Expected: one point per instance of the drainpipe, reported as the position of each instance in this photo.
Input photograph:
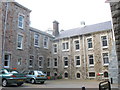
(4, 31)
(84, 50)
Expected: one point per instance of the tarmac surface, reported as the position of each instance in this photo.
(64, 84)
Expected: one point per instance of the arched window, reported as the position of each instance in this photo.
(105, 74)
(78, 75)
(66, 75)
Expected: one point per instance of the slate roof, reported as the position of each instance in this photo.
(85, 30)
(41, 32)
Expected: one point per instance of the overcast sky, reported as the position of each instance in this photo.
(69, 13)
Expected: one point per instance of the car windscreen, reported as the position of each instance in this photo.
(40, 72)
(13, 71)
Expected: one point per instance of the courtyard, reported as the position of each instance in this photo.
(63, 83)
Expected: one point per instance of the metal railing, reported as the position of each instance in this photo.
(105, 85)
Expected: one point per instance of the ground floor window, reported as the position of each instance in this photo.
(55, 74)
(66, 75)
(31, 61)
(19, 61)
(91, 74)
(78, 75)
(48, 73)
(7, 60)
(106, 74)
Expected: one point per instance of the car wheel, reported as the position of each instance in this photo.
(42, 82)
(19, 84)
(32, 81)
(4, 83)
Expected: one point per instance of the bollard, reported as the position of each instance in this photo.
(111, 80)
(83, 88)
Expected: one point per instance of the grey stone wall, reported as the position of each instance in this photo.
(40, 51)
(115, 10)
(83, 52)
(0, 35)
(12, 31)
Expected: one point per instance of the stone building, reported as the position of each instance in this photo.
(24, 47)
(79, 53)
(15, 20)
(40, 50)
(115, 11)
(83, 52)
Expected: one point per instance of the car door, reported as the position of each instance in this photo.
(30, 75)
(0, 77)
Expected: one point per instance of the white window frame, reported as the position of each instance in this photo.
(87, 42)
(64, 62)
(38, 40)
(49, 62)
(23, 21)
(66, 49)
(76, 60)
(64, 75)
(89, 60)
(54, 48)
(75, 45)
(42, 62)
(54, 63)
(90, 72)
(108, 58)
(19, 34)
(7, 60)
(102, 41)
(19, 64)
(103, 74)
(76, 75)
(47, 43)
(32, 61)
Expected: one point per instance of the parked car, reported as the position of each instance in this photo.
(35, 76)
(11, 76)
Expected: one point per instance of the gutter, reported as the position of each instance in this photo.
(4, 31)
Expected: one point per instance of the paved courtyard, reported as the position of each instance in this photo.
(64, 84)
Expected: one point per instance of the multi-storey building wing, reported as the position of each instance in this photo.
(15, 21)
(40, 50)
(84, 52)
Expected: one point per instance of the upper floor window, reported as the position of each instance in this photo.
(55, 62)
(65, 61)
(21, 21)
(89, 41)
(36, 39)
(65, 45)
(91, 60)
(20, 42)
(55, 48)
(77, 46)
(77, 60)
(31, 61)
(104, 41)
(45, 42)
(105, 58)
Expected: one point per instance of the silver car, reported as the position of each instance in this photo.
(36, 76)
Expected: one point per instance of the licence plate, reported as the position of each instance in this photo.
(42, 75)
(20, 80)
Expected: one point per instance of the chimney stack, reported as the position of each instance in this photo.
(55, 28)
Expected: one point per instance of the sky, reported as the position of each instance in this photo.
(69, 13)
